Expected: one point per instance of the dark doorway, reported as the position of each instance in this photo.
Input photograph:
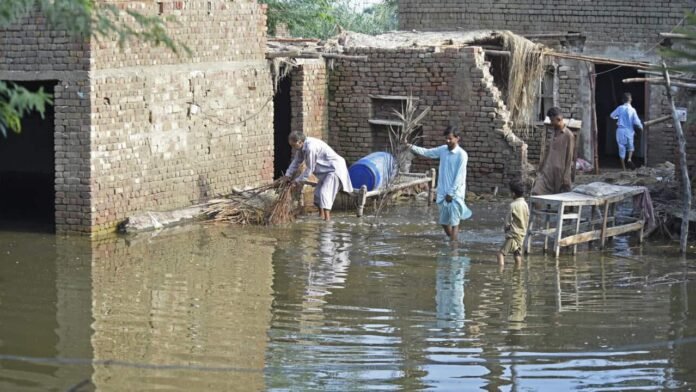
(282, 116)
(27, 170)
(608, 93)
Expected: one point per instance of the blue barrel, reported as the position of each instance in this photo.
(373, 171)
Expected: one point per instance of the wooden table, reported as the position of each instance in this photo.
(555, 209)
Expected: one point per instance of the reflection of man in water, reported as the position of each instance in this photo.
(449, 290)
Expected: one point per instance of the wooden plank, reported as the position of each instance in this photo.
(618, 230)
(581, 238)
(603, 235)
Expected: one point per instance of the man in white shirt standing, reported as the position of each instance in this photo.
(627, 118)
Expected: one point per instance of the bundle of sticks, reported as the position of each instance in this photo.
(256, 206)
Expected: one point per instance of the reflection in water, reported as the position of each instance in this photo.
(449, 286)
(315, 306)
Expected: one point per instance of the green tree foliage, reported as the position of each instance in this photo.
(15, 102)
(321, 18)
(683, 53)
(81, 19)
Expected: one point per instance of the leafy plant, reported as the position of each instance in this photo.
(15, 102)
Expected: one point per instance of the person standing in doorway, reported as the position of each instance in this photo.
(451, 181)
(627, 118)
(555, 174)
(322, 161)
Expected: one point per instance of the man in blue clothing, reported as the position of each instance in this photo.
(627, 118)
(451, 181)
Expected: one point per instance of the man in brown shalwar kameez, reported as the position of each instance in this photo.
(555, 174)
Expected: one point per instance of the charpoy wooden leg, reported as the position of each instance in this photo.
(362, 199)
(431, 186)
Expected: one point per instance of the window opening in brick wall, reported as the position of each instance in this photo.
(282, 116)
(160, 8)
(383, 116)
(27, 170)
(608, 92)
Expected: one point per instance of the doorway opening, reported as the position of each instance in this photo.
(27, 169)
(282, 116)
(608, 93)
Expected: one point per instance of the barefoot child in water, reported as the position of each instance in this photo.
(515, 224)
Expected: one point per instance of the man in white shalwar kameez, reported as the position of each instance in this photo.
(322, 161)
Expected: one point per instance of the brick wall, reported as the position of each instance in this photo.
(146, 128)
(454, 81)
(309, 99)
(628, 24)
(31, 51)
(662, 142)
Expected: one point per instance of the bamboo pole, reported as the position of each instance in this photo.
(657, 120)
(594, 126)
(686, 182)
(659, 81)
(671, 77)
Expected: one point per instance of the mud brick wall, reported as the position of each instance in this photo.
(33, 50)
(455, 82)
(169, 137)
(629, 24)
(309, 99)
(168, 131)
(32, 45)
(662, 141)
(213, 30)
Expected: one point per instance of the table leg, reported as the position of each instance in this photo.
(547, 225)
(604, 225)
(559, 230)
(528, 238)
(577, 228)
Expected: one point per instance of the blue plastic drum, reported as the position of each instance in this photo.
(373, 171)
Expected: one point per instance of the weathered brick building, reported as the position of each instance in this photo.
(454, 80)
(618, 29)
(141, 128)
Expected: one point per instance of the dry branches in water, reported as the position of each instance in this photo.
(281, 211)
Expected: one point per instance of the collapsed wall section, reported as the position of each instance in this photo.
(454, 81)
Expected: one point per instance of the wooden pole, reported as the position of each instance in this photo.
(595, 127)
(657, 120)
(686, 182)
(671, 77)
(659, 81)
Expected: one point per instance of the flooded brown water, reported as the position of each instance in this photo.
(340, 306)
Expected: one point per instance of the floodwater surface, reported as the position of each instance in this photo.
(341, 306)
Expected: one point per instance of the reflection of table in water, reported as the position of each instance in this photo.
(555, 209)
(404, 181)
